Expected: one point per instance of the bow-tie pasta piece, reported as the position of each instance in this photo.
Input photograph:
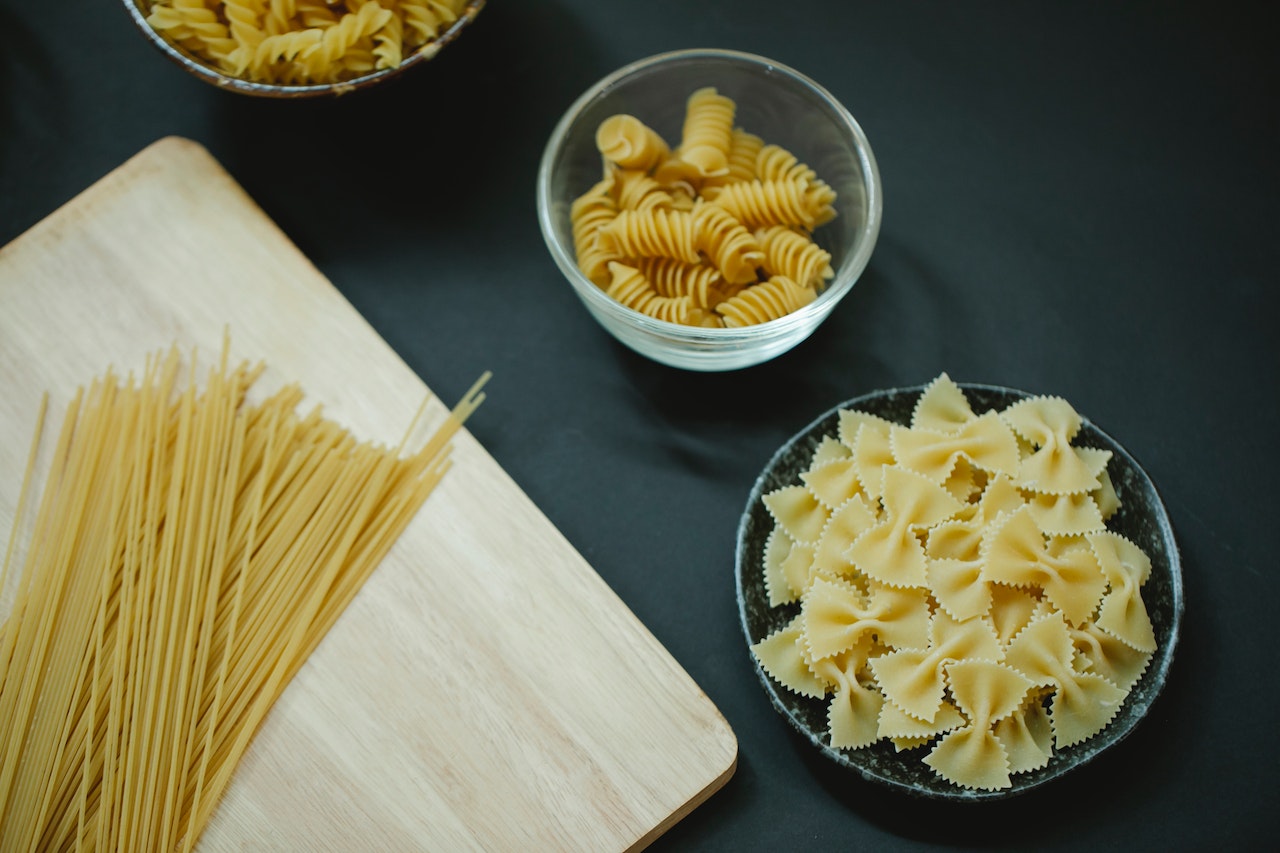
(1066, 515)
(1055, 467)
(910, 732)
(798, 512)
(849, 521)
(833, 483)
(1027, 735)
(912, 679)
(1113, 659)
(986, 442)
(890, 552)
(837, 615)
(782, 655)
(1123, 613)
(941, 407)
(829, 450)
(1083, 702)
(854, 710)
(1017, 554)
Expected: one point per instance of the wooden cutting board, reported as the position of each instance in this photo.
(486, 689)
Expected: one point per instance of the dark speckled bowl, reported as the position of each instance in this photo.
(1141, 518)
(139, 9)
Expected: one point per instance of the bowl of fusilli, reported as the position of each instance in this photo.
(710, 208)
(300, 48)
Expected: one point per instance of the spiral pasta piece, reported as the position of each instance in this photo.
(730, 246)
(587, 215)
(708, 131)
(744, 149)
(758, 204)
(792, 254)
(763, 302)
(651, 233)
(630, 143)
(702, 283)
(633, 290)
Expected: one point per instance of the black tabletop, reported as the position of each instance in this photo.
(1080, 199)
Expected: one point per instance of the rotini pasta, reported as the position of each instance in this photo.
(633, 290)
(651, 233)
(790, 253)
(701, 220)
(708, 131)
(298, 42)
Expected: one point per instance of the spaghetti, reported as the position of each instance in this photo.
(188, 553)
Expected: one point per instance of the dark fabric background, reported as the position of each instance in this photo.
(1080, 199)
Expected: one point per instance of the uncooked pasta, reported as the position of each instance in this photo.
(726, 220)
(189, 551)
(301, 42)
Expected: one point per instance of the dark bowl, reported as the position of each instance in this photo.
(138, 10)
(1141, 518)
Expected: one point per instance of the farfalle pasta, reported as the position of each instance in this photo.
(300, 42)
(958, 591)
(720, 199)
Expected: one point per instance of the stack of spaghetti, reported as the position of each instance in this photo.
(187, 554)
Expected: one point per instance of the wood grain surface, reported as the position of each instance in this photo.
(486, 690)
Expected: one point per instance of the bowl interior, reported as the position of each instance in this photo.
(1141, 518)
(776, 103)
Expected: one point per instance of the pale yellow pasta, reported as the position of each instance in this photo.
(630, 143)
(587, 215)
(1016, 554)
(708, 131)
(986, 442)
(833, 483)
(985, 692)
(913, 679)
(793, 254)
(847, 522)
(1056, 466)
(782, 654)
(651, 233)
(694, 178)
(837, 615)
(300, 42)
(853, 714)
(729, 246)
(798, 512)
(632, 289)
(765, 301)
(941, 406)
(890, 552)
(996, 621)
(1083, 702)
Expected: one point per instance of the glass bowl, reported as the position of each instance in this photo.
(196, 66)
(776, 103)
(1141, 518)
